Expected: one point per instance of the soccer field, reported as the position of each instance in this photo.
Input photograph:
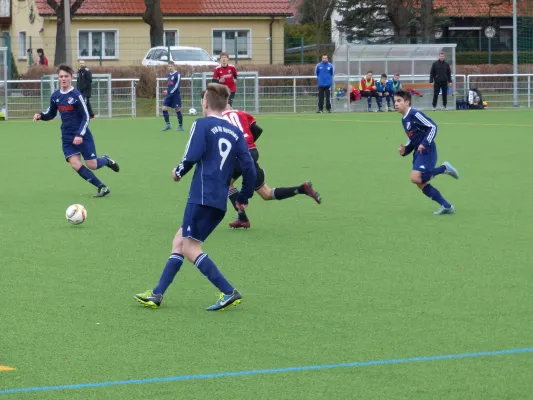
(366, 296)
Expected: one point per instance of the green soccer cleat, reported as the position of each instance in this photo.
(149, 299)
(225, 301)
(445, 211)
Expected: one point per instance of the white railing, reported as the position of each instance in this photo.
(499, 90)
(117, 98)
(293, 94)
(273, 94)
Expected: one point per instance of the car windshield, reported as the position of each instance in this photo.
(190, 55)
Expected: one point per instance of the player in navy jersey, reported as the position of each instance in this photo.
(215, 146)
(421, 132)
(77, 138)
(173, 99)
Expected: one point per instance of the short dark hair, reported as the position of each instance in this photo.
(383, 75)
(369, 72)
(404, 94)
(441, 52)
(66, 68)
(224, 54)
(216, 96)
(324, 55)
(40, 51)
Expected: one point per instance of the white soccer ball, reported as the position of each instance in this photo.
(76, 214)
(193, 111)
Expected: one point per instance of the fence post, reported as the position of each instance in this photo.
(244, 93)
(109, 97)
(157, 97)
(529, 91)
(294, 94)
(302, 40)
(236, 50)
(133, 99)
(7, 39)
(30, 54)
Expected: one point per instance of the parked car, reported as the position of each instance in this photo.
(181, 55)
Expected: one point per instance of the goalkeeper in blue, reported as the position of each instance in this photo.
(215, 146)
(421, 132)
(77, 139)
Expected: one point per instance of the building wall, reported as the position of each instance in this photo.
(131, 35)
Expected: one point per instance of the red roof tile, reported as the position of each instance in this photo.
(179, 8)
(483, 8)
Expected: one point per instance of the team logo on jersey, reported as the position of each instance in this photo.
(408, 125)
(70, 100)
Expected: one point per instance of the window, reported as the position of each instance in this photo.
(22, 46)
(190, 55)
(96, 44)
(171, 38)
(231, 40)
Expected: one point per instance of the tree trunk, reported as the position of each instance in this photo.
(154, 17)
(428, 21)
(60, 55)
(400, 16)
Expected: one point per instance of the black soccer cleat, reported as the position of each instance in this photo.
(102, 191)
(111, 163)
(309, 191)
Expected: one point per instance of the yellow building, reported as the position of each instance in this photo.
(112, 32)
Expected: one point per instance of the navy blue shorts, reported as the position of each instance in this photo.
(200, 221)
(425, 161)
(87, 149)
(173, 101)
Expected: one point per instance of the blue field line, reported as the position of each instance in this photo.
(270, 371)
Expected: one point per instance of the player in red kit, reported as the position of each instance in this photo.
(247, 124)
(226, 74)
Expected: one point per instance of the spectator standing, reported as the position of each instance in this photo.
(324, 73)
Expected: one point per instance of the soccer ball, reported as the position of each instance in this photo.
(193, 111)
(76, 214)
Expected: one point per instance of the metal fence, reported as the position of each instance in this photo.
(277, 94)
(3, 82)
(111, 98)
(498, 90)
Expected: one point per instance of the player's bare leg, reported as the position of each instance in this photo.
(283, 193)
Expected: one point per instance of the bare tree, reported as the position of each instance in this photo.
(154, 17)
(60, 55)
(317, 13)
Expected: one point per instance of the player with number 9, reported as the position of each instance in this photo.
(214, 146)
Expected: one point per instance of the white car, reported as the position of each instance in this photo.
(181, 55)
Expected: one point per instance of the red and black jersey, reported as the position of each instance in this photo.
(243, 121)
(229, 73)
